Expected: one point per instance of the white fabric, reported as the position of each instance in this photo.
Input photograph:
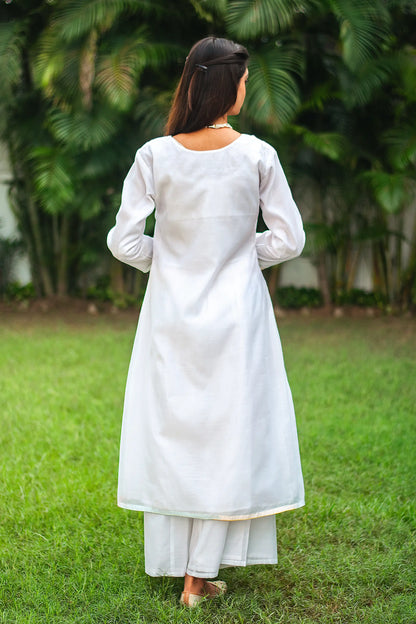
(175, 545)
(208, 428)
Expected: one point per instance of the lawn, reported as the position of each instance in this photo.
(69, 555)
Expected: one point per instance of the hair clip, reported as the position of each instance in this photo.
(203, 67)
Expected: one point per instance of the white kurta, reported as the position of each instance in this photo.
(209, 427)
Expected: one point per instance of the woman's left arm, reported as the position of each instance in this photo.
(126, 240)
(285, 237)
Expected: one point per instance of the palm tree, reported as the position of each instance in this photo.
(340, 131)
(87, 81)
(78, 68)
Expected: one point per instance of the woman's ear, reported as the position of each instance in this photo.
(241, 94)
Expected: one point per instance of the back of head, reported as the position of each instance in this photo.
(208, 85)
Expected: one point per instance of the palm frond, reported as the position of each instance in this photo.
(74, 18)
(110, 161)
(11, 41)
(55, 67)
(118, 72)
(90, 203)
(363, 29)
(53, 178)
(406, 6)
(248, 19)
(401, 144)
(319, 97)
(208, 10)
(321, 237)
(407, 73)
(151, 113)
(359, 86)
(272, 93)
(82, 129)
(332, 145)
(393, 191)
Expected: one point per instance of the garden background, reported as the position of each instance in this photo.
(333, 88)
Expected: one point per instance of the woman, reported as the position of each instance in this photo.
(209, 448)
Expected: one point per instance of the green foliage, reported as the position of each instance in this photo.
(248, 19)
(332, 145)
(52, 177)
(296, 298)
(15, 291)
(401, 143)
(74, 19)
(102, 291)
(362, 298)
(9, 249)
(84, 129)
(11, 39)
(364, 28)
(390, 189)
(273, 96)
(363, 84)
(332, 85)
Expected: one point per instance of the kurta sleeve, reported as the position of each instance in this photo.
(126, 240)
(285, 237)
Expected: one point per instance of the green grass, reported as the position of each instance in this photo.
(69, 555)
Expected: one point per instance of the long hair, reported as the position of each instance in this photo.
(208, 86)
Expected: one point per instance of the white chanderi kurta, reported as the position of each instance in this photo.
(209, 427)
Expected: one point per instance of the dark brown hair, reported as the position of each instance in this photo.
(208, 85)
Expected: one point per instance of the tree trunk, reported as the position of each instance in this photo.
(396, 260)
(42, 267)
(323, 280)
(321, 254)
(380, 269)
(87, 69)
(116, 277)
(39, 269)
(408, 281)
(352, 266)
(273, 282)
(62, 264)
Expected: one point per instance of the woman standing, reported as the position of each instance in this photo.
(209, 448)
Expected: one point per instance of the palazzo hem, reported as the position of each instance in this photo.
(234, 564)
(207, 516)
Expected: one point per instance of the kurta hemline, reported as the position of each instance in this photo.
(249, 516)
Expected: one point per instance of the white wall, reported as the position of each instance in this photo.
(8, 229)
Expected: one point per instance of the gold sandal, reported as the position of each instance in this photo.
(192, 600)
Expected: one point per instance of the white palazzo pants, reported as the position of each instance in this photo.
(176, 545)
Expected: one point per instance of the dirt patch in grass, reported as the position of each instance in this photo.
(69, 311)
(73, 311)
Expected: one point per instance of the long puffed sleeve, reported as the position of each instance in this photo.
(126, 240)
(285, 237)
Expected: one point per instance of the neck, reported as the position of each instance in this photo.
(221, 120)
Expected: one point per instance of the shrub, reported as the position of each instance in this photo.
(16, 292)
(295, 298)
(359, 297)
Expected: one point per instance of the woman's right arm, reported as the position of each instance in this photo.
(126, 240)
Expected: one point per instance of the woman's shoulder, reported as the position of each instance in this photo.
(247, 144)
(261, 144)
(154, 145)
(258, 149)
